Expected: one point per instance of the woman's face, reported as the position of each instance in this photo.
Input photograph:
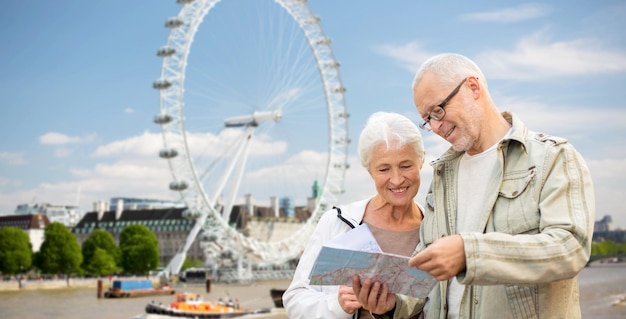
(396, 173)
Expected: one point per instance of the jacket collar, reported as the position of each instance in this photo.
(519, 132)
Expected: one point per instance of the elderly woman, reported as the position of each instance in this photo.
(392, 151)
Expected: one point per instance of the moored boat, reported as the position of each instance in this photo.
(136, 288)
(191, 305)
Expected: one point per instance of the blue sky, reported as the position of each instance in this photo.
(78, 103)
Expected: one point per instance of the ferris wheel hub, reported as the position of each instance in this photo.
(253, 119)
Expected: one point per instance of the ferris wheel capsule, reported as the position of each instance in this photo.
(162, 84)
(178, 186)
(168, 153)
(162, 118)
(166, 51)
(174, 22)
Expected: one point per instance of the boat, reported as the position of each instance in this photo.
(137, 288)
(191, 305)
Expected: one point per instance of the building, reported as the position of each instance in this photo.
(143, 203)
(168, 224)
(166, 220)
(603, 225)
(33, 224)
(67, 215)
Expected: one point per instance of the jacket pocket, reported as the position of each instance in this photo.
(522, 301)
(429, 229)
(516, 208)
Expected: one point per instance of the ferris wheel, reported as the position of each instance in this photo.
(252, 112)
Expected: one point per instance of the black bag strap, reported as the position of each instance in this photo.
(356, 313)
(342, 218)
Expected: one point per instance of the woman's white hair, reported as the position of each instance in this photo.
(393, 130)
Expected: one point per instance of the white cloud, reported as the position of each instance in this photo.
(563, 119)
(410, 55)
(13, 158)
(208, 145)
(130, 177)
(80, 172)
(538, 57)
(533, 57)
(609, 178)
(129, 110)
(55, 138)
(147, 144)
(509, 15)
(62, 152)
(7, 182)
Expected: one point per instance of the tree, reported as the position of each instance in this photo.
(101, 263)
(191, 263)
(59, 252)
(140, 249)
(15, 251)
(101, 256)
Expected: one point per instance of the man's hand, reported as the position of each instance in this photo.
(375, 297)
(443, 259)
(348, 300)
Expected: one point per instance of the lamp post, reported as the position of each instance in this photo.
(20, 277)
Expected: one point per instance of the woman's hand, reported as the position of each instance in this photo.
(374, 296)
(348, 300)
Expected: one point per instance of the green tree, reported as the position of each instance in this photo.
(191, 263)
(59, 252)
(140, 249)
(15, 251)
(101, 263)
(102, 242)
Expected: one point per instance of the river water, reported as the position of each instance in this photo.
(600, 286)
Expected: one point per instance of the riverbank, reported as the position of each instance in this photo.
(602, 296)
(80, 302)
(50, 284)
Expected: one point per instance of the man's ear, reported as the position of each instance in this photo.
(475, 86)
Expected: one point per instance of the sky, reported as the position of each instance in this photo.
(78, 103)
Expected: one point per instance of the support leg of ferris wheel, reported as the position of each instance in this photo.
(173, 268)
(242, 155)
(250, 122)
(176, 263)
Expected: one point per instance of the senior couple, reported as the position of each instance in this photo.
(506, 225)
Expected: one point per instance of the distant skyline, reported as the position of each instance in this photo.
(78, 103)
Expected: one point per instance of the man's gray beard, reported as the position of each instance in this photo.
(462, 144)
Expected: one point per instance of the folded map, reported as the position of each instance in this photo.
(336, 266)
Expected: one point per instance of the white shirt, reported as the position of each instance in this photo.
(474, 173)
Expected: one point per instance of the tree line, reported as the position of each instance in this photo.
(607, 248)
(60, 253)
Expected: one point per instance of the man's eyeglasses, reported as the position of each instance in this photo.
(437, 113)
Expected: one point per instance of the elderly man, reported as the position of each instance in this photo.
(509, 215)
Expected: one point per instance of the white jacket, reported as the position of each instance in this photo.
(304, 301)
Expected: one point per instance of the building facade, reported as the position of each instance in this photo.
(168, 224)
(67, 215)
(32, 224)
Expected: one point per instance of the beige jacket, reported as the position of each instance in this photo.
(538, 226)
